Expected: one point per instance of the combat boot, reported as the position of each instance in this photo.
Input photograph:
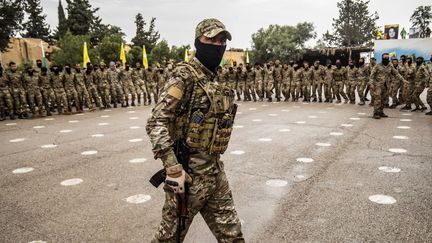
(429, 113)
(278, 99)
(393, 106)
(133, 103)
(92, 109)
(320, 100)
(48, 112)
(376, 116)
(115, 105)
(270, 99)
(338, 101)
(12, 116)
(405, 108)
(314, 100)
(346, 101)
(2, 116)
(423, 109)
(415, 109)
(381, 114)
(362, 103)
(124, 105)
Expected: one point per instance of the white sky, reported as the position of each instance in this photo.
(176, 19)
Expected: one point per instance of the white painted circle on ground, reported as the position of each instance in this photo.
(305, 103)
(398, 150)
(382, 199)
(108, 110)
(300, 122)
(313, 117)
(80, 114)
(347, 125)
(71, 182)
(105, 116)
(103, 124)
(11, 124)
(137, 160)
(276, 183)
(405, 120)
(284, 130)
(38, 241)
(135, 140)
(65, 131)
(130, 107)
(17, 140)
(389, 169)
(406, 114)
(336, 133)
(98, 135)
(73, 121)
(404, 127)
(252, 109)
(273, 114)
(400, 137)
(130, 112)
(323, 144)
(283, 110)
(238, 126)
(133, 118)
(49, 119)
(23, 170)
(46, 146)
(139, 198)
(355, 118)
(135, 127)
(300, 176)
(264, 105)
(361, 113)
(237, 152)
(305, 160)
(89, 152)
(256, 120)
(265, 139)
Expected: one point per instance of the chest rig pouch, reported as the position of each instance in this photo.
(211, 117)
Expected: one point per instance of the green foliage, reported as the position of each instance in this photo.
(71, 50)
(35, 26)
(62, 26)
(355, 25)
(81, 16)
(284, 42)
(421, 19)
(178, 53)
(135, 55)
(11, 16)
(143, 37)
(109, 48)
(160, 53)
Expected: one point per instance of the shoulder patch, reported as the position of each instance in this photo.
(175, 92)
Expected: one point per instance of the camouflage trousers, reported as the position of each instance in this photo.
(394, 87)
(5, 100)
(338, 89)
(298, 89)
(34, 100)
(152, 89)
(104, 92)
(306, 90)
(72, 96)
(259, 88)
(416, 96)
(429, 96)
(84, 97)
(250, 91)
(350, 89)
(19, 100)
(379, 95)
(328, 86)
(61, 100)
(286, 89)
(129, 88)
(209, 195)
(278, 88)
(269, 88)
(314, 88)
(408, 92)
(318, 88)
(240, 87)
(48, 97)
(94, 95)
(361, 86)
(141, 89)
(117, 93)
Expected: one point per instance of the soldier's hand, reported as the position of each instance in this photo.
(176, 178)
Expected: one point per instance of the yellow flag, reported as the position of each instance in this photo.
(247, 57)
(186, 57)
(231, 62)
(86, 58)
(122, 55)
(145, 60)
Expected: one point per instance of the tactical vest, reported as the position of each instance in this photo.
(207, 115)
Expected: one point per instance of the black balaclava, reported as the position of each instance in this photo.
(291, 63)
(127, 67)
(339, 65)
(361, 62)
(88, 71)
(409, 61)
(1, 71)
(78, 70)
(30, 72)
(209, 55)
(56, 70)
(385, 60)
(419, 61)
(44, 71)
(39, 64)
(68, 69)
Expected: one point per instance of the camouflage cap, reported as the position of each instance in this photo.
(211, 28)
(102, 64)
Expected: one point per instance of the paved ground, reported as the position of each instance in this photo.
(299, 173)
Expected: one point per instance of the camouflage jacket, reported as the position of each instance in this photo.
(15, 79)
(297, 76)
(31, 83)
(68, 80)
(277, 73)
(287, 74)
(328, 74)
(307, 75)
(422, 75)
(382, 74)
(45, 81)
(112, 76)
(364, 72)
(4, 84)
(79, 80)
(318, 73)
(250, 76)
(352, 74)
(258, 75)
(339, 74)
(56, 81)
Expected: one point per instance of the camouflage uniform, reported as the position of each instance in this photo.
(90, 83)
(116, 89)
(81, 89)
(409, 88)
(103, 87)
(297, 82)
(150, 79)
(421, 78)
(71, 93)
(259, 82)
(128, 86)
(160, 80)
(18, 92)
(59, 91)
(191, 89)
(250, 85)
(339, 77)
(231, 78)
(277, 76)
(362, 80)
(429, 93)
(318, 82)
(269, 81)
(394, 88)
(307, 79)
(286, 82)
(380, 73)
(328, 83)
(140, 86)
(47, 92)
(34, 96)
(352, 78)
(241, 83)
(5, 98)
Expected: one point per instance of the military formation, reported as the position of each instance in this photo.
(390, 84)
(39, 91)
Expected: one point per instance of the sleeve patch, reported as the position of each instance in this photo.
(175, 92)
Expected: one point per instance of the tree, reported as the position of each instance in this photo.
(421, 19)
(143, 37)
(135, 55)
(81, 16)
(36, 26)
(355, 25)
(160, 53)
(178, 53)
(62, 26)
(109, 48)
(71, 50)
(11, 16)
(285, 42)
